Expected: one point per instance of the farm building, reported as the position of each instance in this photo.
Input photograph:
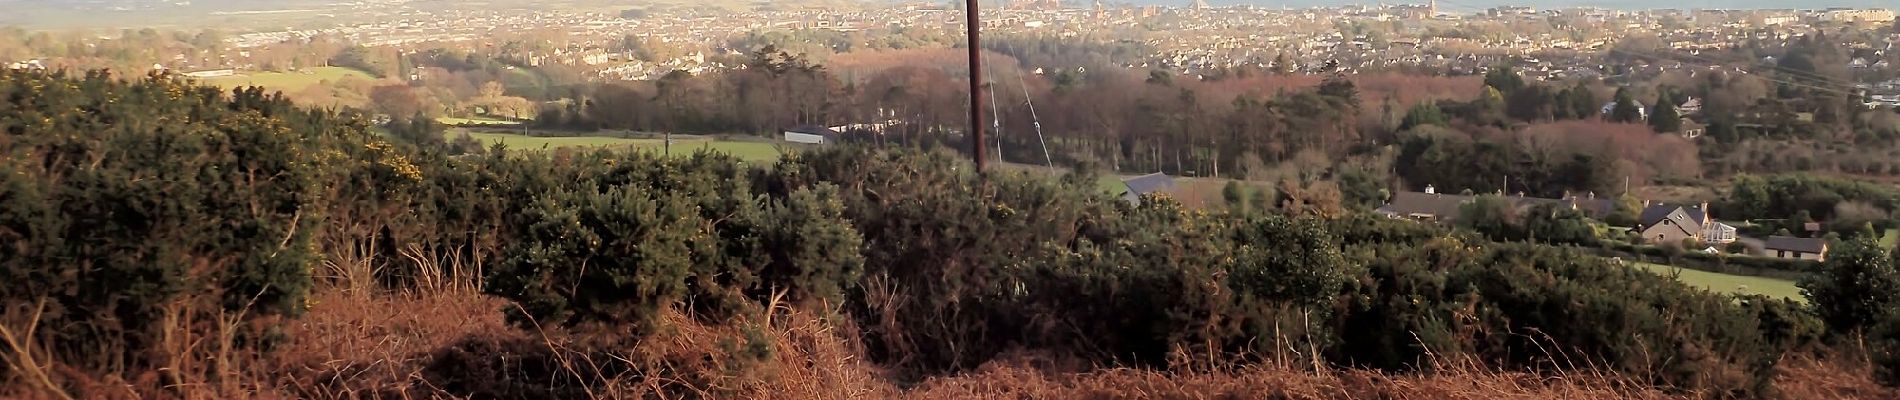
(1793, 248)
(811, 134)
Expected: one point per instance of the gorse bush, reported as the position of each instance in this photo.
(120, 200)
(651, 233)
(1429, 299)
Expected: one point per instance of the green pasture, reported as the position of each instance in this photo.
(1725, 283)
(287, 81)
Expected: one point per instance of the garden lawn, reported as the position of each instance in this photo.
(1725, 283)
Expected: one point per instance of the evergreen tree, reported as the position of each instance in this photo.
(1583, 104)
(1426, 113)
(1625, 110)
(1505, 79)
(1339, 87)
(1663, 116)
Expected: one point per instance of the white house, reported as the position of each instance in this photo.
(811, 134)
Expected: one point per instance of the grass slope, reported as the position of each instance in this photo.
(1725, 283)
(288, 81)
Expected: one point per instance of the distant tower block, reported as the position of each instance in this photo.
(1202, 5)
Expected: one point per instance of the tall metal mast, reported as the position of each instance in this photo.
(976, 82)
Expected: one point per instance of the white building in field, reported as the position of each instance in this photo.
(811, 134)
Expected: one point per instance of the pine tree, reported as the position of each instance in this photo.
(1583, 104)
(1663, 116)
(1625, 110)
(1426, 113)
(1505, 79)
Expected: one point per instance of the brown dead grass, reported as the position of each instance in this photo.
(353, 346)
(407, 346)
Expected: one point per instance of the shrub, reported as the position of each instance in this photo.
(1855, 287)
(115, 206)
(1544, 308)
(1883, 342)
(614, 256)
(651, 233)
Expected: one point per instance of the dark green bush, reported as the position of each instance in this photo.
(119, 200)
(636, 234)
(1549, 309)
(1883, 342)
(1857, 286)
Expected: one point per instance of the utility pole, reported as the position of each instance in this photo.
(971, 10)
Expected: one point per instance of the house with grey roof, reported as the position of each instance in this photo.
(1794, 248)
(1671, 223)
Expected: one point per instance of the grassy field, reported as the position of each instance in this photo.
(288, 81)
(1725, 283)
(1892, 239)
(749, 151)
(474, 121)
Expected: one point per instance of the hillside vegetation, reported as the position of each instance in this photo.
(173, 241)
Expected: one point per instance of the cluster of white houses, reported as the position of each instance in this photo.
(1659, 223)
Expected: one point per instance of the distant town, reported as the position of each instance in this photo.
(1192, 39)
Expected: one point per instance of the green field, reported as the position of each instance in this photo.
(749, 151)
(474, 121)
(1892, 239)
(1725, 283)
(1111, 184)
(288, 81)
